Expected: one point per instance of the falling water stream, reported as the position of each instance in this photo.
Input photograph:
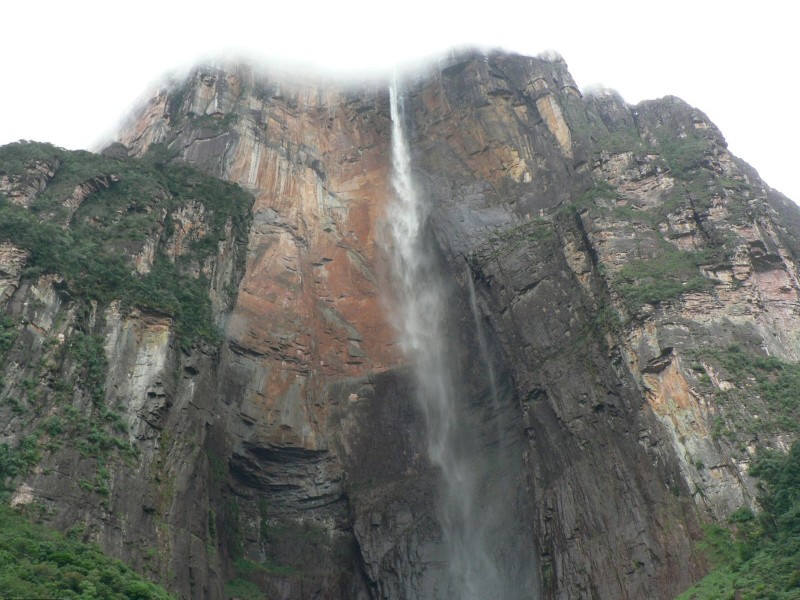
(483, 344)
(475, 546)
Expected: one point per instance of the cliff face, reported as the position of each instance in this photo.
(117, 275)
(623, 299)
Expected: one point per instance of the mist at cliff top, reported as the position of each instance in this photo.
(73, 70)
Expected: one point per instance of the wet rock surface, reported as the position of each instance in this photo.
(619, 255)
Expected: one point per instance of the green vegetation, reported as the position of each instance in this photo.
(85, 227)
(246, 568)
(92, 249)
(250, 578)
(243, 589)
(683, 155)
(8, 334)
(605, 320)
(664, 277)
(505, 241)
(290, 549)
(16, 158)
(101, 435)
(601, 198)
(758, 555)
(216, 467)
(166, 290)
(588, 125)
(775, 381)
(89, 355)
(622, 140)
(599, 189)
(695, 194)
(36, 562)
(588, 200)
(15, 461)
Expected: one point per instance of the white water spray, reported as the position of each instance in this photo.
(475, 548)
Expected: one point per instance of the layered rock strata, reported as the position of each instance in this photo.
(629, 275)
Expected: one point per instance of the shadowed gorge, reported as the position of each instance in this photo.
(466, 334)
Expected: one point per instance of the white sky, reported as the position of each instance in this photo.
(72, 69)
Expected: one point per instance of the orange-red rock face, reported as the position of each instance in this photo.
(309, 306)
(541, 199)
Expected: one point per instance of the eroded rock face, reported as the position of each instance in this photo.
(309, 314)
(619, 255)
(12, 260)
(609, 428)
(105, 410)
(22, 188)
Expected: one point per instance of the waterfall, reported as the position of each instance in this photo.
(483, 344)
(473, 502)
